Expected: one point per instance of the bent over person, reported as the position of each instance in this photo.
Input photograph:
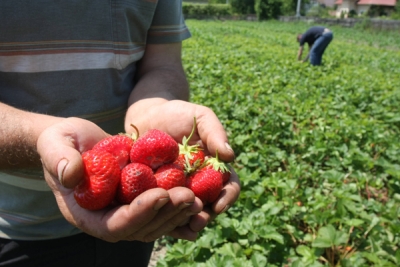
(72, 73)
(318, 38)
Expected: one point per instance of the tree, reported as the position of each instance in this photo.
(268, 9)
(242, 6)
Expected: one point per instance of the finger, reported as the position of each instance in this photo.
(229, 194)
(199, 221)
(181, 206)
(124, 221)
(60, 147)
(184, 232)
(177, 221)
(212, 134)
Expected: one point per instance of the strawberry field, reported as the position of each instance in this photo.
(317, 148)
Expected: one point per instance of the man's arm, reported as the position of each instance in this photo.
(19, 131)
(161, 78)
(300, 53)
(161, 74)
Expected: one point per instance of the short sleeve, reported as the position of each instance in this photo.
(303, 39)
(168, 25)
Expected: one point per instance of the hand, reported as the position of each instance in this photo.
(176, 118)
(151, 215)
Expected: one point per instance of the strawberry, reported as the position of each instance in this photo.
(169, 176)
(135, 179)
(191, 160)
(207, 181)
(206, 184)
(154, 148)
(218, 165)
(102, 174)
(119, 146)
(226, 175)
(190, 157)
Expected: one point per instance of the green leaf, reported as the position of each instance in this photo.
(328, 237)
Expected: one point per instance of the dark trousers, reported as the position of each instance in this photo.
(75, 251)
(319, 47)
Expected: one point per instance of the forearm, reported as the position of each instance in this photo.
(19, 131)
(155, 89)
(161, 78)
(299, 56)
(165, 83)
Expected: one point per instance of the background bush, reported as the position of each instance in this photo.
(199, 10)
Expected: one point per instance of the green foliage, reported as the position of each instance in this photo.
(364, 24)
(353, 14)
(320, 11)
(265, 9)
(268, 9)
(199, 10)
(317, 148)
(396, 12)
(377, 11)
(242, 6)
(288, 7)
(217, 1)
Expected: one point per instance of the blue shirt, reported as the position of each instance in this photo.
(311, 35)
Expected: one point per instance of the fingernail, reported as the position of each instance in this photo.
(185, 205)
(225, 209)
(60, 170)
(160, 203)
(228, 146)
(191, 213)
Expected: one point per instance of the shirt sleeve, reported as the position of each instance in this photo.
(303, 39)
(168, 25)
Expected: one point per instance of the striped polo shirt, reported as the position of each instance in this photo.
(71, 58)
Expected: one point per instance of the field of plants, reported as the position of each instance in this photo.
(318, 148)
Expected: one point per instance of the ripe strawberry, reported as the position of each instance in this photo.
(169, 176)
(218, 165)
(135, 179)
(226, 175)
(119, 146)
(206, 184)
(190, 157)
(190, 160)
(154, 149)
(102, 176)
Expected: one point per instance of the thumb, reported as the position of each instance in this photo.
(60, 147)
(214, 136)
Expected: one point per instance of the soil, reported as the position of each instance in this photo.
(158, 252)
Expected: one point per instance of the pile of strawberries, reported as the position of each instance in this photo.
(121, 167)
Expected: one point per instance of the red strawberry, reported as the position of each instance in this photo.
(119, 146)
(190, 157)
(135, 179)
(218, 165)
(191, 160)
(102, 176)
(154, 149)
(226, 175)
(206, 184)
(169, 176)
